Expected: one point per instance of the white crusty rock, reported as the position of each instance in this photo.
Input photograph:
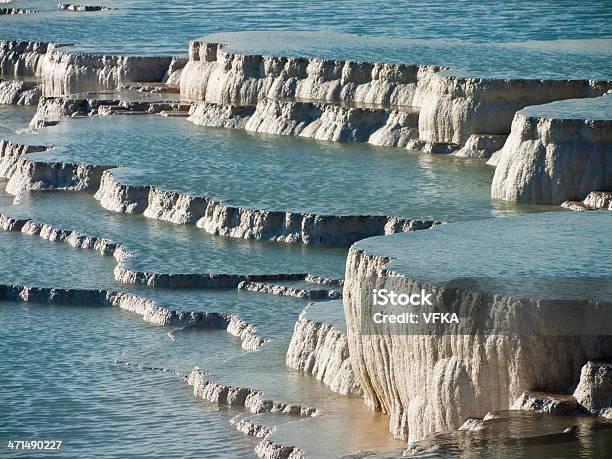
(334, 122)
(83, 8)
(481, 146)
(242, 397)
(433, 379)
(268, 449)
(45, 175)
(454, 108)
(152, 313)
(64, 72)
(286, 290)
(217, 115)
(249, 427)
(596, 200)
(216, 217)
(594, 390)
(15, 92)
(73, 238)
(213, 74)
(52, 108)
(127, 275)
(5, 11)
(550, 158)
(546, 402)
(11, 152)
(321, 349)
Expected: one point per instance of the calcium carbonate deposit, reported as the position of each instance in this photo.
(208, 212)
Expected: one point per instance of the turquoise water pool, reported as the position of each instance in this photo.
(277, 172)
(518, 38)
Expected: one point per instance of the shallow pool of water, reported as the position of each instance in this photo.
(70, 389)
(161, 246)
(520, 38)
(277, 172)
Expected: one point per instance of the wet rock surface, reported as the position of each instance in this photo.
(594, 390)
(320, 349)
(546, 402)
(426, 379)
(82, 8)
(549, 158)
(14, 92)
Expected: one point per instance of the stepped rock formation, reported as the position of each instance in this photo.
(15, 92)
(334, 123)
(286, 290)
(52, 108)
(551, 157)
(218, 115)
(435, 377)
(214, 75)
(454, 108)
(321, 349)
(424, 108)
(481, 146)
(4, 11)
(216, 217)
(63, 72)
(73, 238)
(243, 397)
(11, 152)
(145, 307)
(544, 402)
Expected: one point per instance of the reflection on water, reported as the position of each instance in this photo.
(523, 435)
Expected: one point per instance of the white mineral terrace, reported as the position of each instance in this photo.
(533, 294)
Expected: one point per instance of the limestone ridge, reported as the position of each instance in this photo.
(63, 72)
(213, 216)
(53, 108)
(214, 75)
(216, 217)
(83, 8)
(285, 290)
(73, 238)
(321, 349)
(14, 92)
(127, 275)
(419, 107)
(27, 174)
(4, 11)
(552, 160)
(429, 383)
(145, 307)
(594, 201)
(254, 401)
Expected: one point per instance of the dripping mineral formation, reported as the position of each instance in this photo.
(434, 379)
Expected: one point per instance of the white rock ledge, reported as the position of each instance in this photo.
(53, 108)
(63, 72)
(596, 200)
(145, 307)
(216, 217)
(551, 156)
(15, 92)
(321, 349)
(83, 8)
(73, 238)
(285, 290)
(429, 382)
(242, 397)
